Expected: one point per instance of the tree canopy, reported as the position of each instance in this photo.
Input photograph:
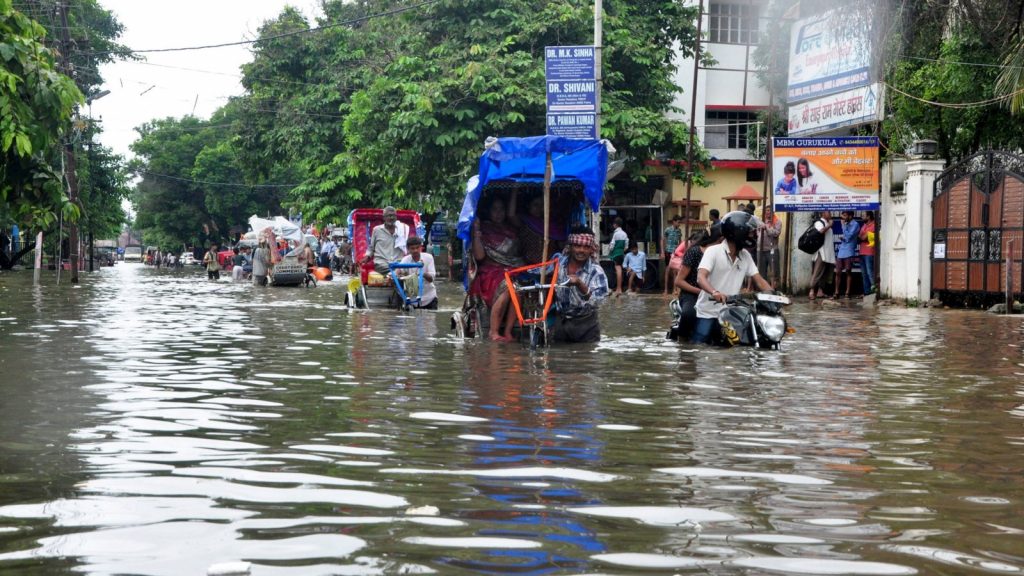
(358, 110)
(38, 116)
(36, 104)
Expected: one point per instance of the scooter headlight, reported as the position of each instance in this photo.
(773, 327)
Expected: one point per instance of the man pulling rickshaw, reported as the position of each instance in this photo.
(511, 278)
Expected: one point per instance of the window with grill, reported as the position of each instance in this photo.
(727, 129)
(733, 23)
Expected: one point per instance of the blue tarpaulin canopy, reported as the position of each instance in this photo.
(524, 159)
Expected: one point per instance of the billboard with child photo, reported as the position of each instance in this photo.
(814, 174)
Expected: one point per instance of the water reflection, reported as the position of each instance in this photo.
(156, 423)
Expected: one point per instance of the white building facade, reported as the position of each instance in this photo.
(729, 98)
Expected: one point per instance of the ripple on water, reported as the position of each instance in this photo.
(988, 500)
(530, 472)
(124, 511)
(245, 475)
(830, 521)
(443, 417)
(775, 539)
(636, 401)
(338, 449)
(721, 473)
(233, 491)
(953, 558)
(656, 515)
(823, 566)
(652, 561)
(471, 542)
(194, 546)
(476, 437)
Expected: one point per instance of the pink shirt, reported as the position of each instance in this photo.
(867, 243)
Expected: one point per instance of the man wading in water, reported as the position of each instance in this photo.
(586, 287)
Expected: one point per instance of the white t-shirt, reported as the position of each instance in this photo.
(725, 274)
(828, 249)
(429, 292)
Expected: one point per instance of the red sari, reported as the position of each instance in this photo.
(501, 244)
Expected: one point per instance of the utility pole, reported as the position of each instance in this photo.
(693, 121)
(598, 76)
(69, 146)
(595, 217)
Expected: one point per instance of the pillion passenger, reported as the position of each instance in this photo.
(577, 318)
(387, 242)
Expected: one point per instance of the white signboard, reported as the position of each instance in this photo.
(857, 106)
(830, 52)
(939, 251)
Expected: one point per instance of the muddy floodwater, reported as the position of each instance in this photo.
(154, 423)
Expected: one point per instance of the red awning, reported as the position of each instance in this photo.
(746, 192)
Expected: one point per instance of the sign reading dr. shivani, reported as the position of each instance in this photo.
(571, 91)
(815, 174)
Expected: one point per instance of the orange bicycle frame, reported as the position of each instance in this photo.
(547, 300)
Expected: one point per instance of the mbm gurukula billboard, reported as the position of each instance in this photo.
(815, 174)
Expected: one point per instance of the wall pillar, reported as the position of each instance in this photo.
(905, 267)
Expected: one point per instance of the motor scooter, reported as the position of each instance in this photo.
(745, 321)
(754, 322)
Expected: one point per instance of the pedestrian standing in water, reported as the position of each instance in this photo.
(673, 237)
(824, 258)
(237, 265)
(768, 246)
(211, 263)
(868, 239)
(618, 252)
(261, 264)
(847, 254)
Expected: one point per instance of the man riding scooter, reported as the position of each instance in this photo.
(722, 271)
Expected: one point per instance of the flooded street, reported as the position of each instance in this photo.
(155, 423)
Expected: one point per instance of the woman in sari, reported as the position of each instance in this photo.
(496, 249)
(531, 231)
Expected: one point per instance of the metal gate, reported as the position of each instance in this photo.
(978, 229)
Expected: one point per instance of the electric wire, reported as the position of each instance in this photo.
(958, 105)
(350, 22)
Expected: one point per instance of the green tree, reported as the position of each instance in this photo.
(103, 186)
(34, 177)
(171, 209)
(395, 110)
(950, 58)
(194, 186)
(36, 104)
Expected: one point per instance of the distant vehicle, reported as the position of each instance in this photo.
(104, 256)
(133, 254)
(188, 259)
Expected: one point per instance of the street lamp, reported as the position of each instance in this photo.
(92, 245)
(96, 96)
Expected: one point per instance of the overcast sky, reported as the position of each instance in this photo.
(178, 83)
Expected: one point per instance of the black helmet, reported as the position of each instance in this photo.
(738, 227)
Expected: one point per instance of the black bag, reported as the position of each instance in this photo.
(811, 240)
